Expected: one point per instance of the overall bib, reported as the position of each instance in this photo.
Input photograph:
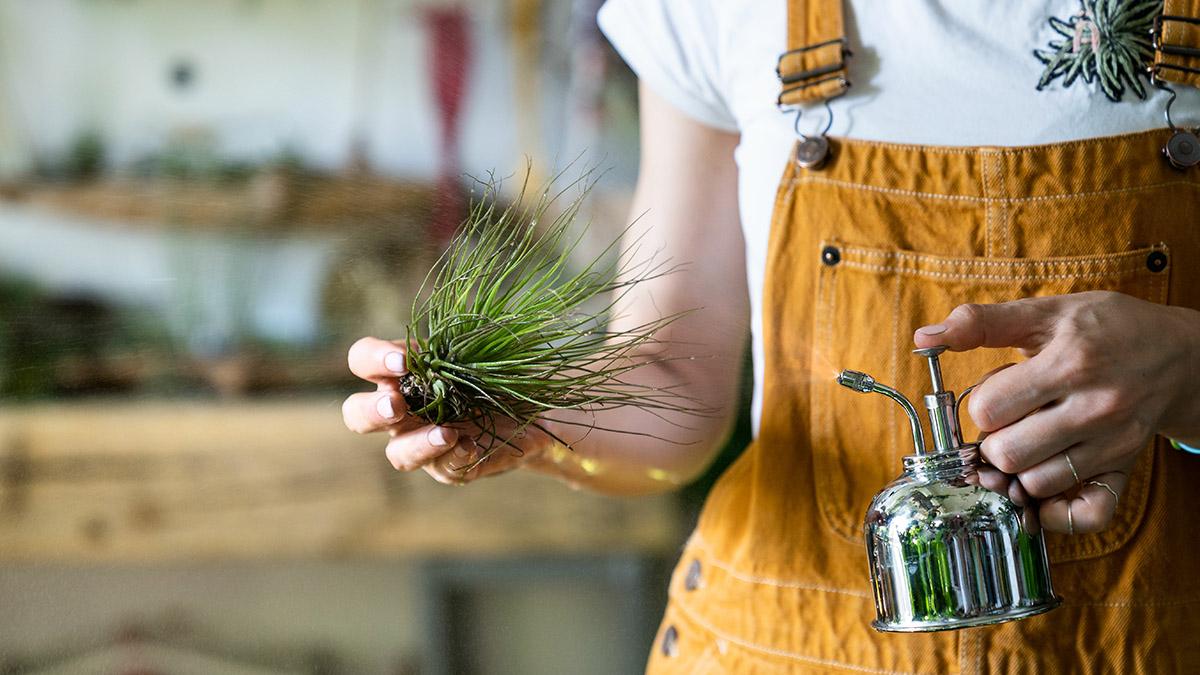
(881, 239)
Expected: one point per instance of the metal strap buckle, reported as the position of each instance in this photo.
(793, 78)
(845, 84)
(1169, 49)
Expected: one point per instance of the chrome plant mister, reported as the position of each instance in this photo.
(945, 552)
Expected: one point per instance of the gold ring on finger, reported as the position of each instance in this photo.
(1070, 519)
(1071, 466)
(455, 475)
(1106, 486)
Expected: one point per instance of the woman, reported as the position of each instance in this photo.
(1014, 206)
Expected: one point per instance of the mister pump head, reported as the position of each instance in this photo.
(942, 405)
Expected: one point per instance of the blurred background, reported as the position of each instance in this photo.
(202, 204)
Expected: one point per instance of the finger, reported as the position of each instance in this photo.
(993, 479)
(1054, 475)
(1018, 495)
(499, 462)
(1013, 393)
(452, 468)
(463, 464)
(1039, 436)
(376, 360)
(411, 450)
(366, 412)
(1022, 323)
(988, 375)
(1001, 483)
(1089, 511)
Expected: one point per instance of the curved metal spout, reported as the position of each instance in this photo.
(864, 383)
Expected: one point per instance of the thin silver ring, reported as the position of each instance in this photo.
(1071, 466)
(1106, 486)
(1070, 520)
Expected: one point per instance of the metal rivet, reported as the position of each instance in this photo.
(830, 255)
(1156, 261)
(692, 580)
(670, 642)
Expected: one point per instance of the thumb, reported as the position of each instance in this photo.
(1025, 324)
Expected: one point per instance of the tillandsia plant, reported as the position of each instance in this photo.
(506, 334)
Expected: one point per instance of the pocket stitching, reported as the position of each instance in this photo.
(1072, 261)
(824, 284)
(987, 277)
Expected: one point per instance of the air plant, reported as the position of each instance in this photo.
(506, 328)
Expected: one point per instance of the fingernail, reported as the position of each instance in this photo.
(935, 329)
(384, 407)
(394, 362)
(441, 437)
(461, 452)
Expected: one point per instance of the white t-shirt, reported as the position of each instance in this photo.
(935, 72)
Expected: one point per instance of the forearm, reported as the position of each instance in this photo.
(630, 451)
(685, 215)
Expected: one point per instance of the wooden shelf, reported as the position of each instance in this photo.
(155, 481)
(274, 200)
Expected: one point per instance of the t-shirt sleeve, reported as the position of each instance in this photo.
(672, 45)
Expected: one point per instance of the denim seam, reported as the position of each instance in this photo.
(1007, 150)
(773, 651)
(699, 544)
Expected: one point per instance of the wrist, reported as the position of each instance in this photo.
(1182, 421)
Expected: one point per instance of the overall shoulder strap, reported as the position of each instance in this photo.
(814, 66)
(1177, 43)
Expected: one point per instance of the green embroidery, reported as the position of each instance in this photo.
(1107, 41)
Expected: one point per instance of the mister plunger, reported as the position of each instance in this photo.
(944, 552)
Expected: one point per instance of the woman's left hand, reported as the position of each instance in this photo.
(1107, 372)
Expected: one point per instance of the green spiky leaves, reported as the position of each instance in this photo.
(510, 330)
(1107, 42)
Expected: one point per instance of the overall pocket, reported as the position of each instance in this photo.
(868, 305)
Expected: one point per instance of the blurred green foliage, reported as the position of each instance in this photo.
(50, 343)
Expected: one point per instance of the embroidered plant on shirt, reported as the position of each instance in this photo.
(1108, 42)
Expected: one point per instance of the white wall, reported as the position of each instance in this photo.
(269, 74)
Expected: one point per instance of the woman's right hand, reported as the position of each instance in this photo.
(445, 451)
(685, 210)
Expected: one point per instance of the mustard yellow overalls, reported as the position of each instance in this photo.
(884, 238)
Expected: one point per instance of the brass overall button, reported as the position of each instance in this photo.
(812, 152)
(692, 580)
(1183, 150)
(670, 642)
(1156, 261)
(830, 255)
